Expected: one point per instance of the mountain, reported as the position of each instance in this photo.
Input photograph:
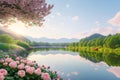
(49, 40)
(15, 36)
(94, 36)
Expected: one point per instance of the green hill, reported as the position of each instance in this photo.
(94, 36)
(12, 34)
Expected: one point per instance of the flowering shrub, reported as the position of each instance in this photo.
(13, 68)
(28, 11)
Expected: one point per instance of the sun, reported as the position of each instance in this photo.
(18, 28)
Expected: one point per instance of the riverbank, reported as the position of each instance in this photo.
(95, 49)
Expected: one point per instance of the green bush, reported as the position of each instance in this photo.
(4, 38)
(22, 44)
(6, 46)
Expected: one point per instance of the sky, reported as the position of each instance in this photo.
(77, 19)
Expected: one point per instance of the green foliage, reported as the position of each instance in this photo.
(8, 43)
(110, 41)
(22, 44)
(30, 70)
(6, 47)
(4, 38)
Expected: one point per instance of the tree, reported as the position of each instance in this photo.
(28, 11)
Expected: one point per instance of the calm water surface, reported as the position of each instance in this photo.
(77, 66)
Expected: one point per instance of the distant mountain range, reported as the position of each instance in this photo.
(49, 40)
(64, 40)
(15, 36)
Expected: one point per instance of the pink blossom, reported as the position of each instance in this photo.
(17, 58)
(17, 62)
(21, 66)
(39, 67)
(59, 77)
(21, 73)
(45, 76)
(2, 76)
(38, 71)
(35, 10)
(8, 60)
(3, 71)
(23, 61)
(1, 61)
(5, 64)
(26, 66)
(30, 70)
(29, 62)
(13, 64)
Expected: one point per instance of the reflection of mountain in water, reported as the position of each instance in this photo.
(111, 59)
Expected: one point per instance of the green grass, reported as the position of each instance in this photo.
(6, 47)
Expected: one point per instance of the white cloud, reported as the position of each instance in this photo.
(103, 30)
(115, 21)
(67, 5)
(75, 18)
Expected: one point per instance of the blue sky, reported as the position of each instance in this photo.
(78, 19)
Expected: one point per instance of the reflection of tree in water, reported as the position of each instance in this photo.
(92, 56)
(112, 59)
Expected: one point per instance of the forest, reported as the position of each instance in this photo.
(98, 41)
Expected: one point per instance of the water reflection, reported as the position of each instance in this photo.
(79, 66)
(115, 71)
(112, 59)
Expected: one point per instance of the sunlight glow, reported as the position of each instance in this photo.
(18, 28)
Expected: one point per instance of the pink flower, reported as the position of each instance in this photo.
(17, 58)
(2, 76)
(17, 62)
(45, 76)
(3, 71)
(21, 66)
(59, 77)
(8, 60)
(29, 62)
(23, 61)
(30, 70)
(5, 64)
(13, 64)
(21, 73)
(26, 66)
(1, 61)
(38, 71)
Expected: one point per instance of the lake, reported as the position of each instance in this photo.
(79, 66)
